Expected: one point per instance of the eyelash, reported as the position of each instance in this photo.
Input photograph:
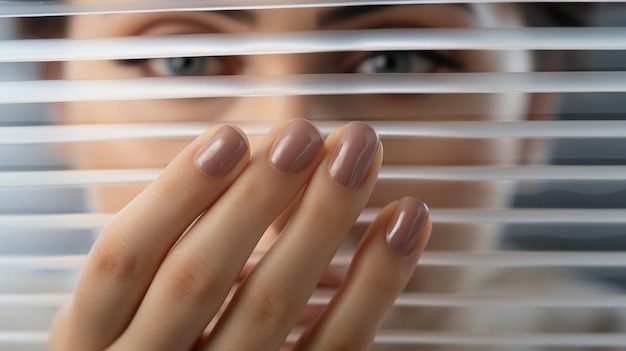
(442, 58)
(228, 65)
(438, 58)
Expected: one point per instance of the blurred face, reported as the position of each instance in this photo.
(424, 107)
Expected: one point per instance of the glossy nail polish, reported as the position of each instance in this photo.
(407, 225)
(221, 152)
(296, 145)
(353, 154)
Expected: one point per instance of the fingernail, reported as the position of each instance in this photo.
(407, 225)
(353, 155)
(221, 152)
(295, 146)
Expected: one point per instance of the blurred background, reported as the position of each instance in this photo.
(583, 194)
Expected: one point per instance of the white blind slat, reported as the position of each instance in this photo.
(415, 338)
(387, 130)
(438, 215)
(74, 178)
(388, 173)
(500, 259)
(22, 9)
(327, 41)
(293, 85)
(33, 300)
(574, 341)
(323, 297)
(23, 337)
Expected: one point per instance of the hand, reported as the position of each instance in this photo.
(162, 268)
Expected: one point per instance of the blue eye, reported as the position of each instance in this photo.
(184, 66)
(188, 66)
(407, 62)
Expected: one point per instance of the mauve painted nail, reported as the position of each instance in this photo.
(407, 225)
(221, 152)
(353, 155)
(295, 146)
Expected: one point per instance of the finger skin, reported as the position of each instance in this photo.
(130, 249)
(375, 279)
(270, 300)
(197, 275)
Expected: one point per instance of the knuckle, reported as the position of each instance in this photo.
(272, 305)
(192, 282)
(113, 258)
(254, 190)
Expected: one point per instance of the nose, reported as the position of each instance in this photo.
(278, 108)
(270, 108)
(273, 108)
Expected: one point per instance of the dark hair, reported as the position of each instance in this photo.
(559, 14)
(42, 27)
(537, 14)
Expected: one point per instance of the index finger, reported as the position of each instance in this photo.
(132, 246)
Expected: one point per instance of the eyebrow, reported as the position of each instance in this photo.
(327, 18)
(341, 14)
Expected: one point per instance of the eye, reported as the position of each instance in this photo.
(185, 66)
(406, 62)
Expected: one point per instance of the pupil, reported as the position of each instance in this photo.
(186, 66)
(391, 63)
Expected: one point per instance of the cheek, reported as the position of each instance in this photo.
(428, 107)
(127, 154)
(147, 111)
(426, 151)
(113, 198)
(121, 155)
(450, 152)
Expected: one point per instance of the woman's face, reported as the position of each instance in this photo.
(425, 107)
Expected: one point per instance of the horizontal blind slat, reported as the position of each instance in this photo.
(23, 338)
(416, 337)
(500, 259)
(386, 129)
(294, 85)
(609, 301)
(76, 178)
(327, 41)
(448, 216)
(323, 297)
(31, 9)
(33, 300)
(574, 341)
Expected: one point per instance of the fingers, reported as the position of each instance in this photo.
(380, 269)
(131, 248)
(163, 267)
(270, 300)
(198, 273)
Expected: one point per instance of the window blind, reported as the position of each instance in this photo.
(566, 215)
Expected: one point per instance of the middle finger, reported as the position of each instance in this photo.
(269, 301)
